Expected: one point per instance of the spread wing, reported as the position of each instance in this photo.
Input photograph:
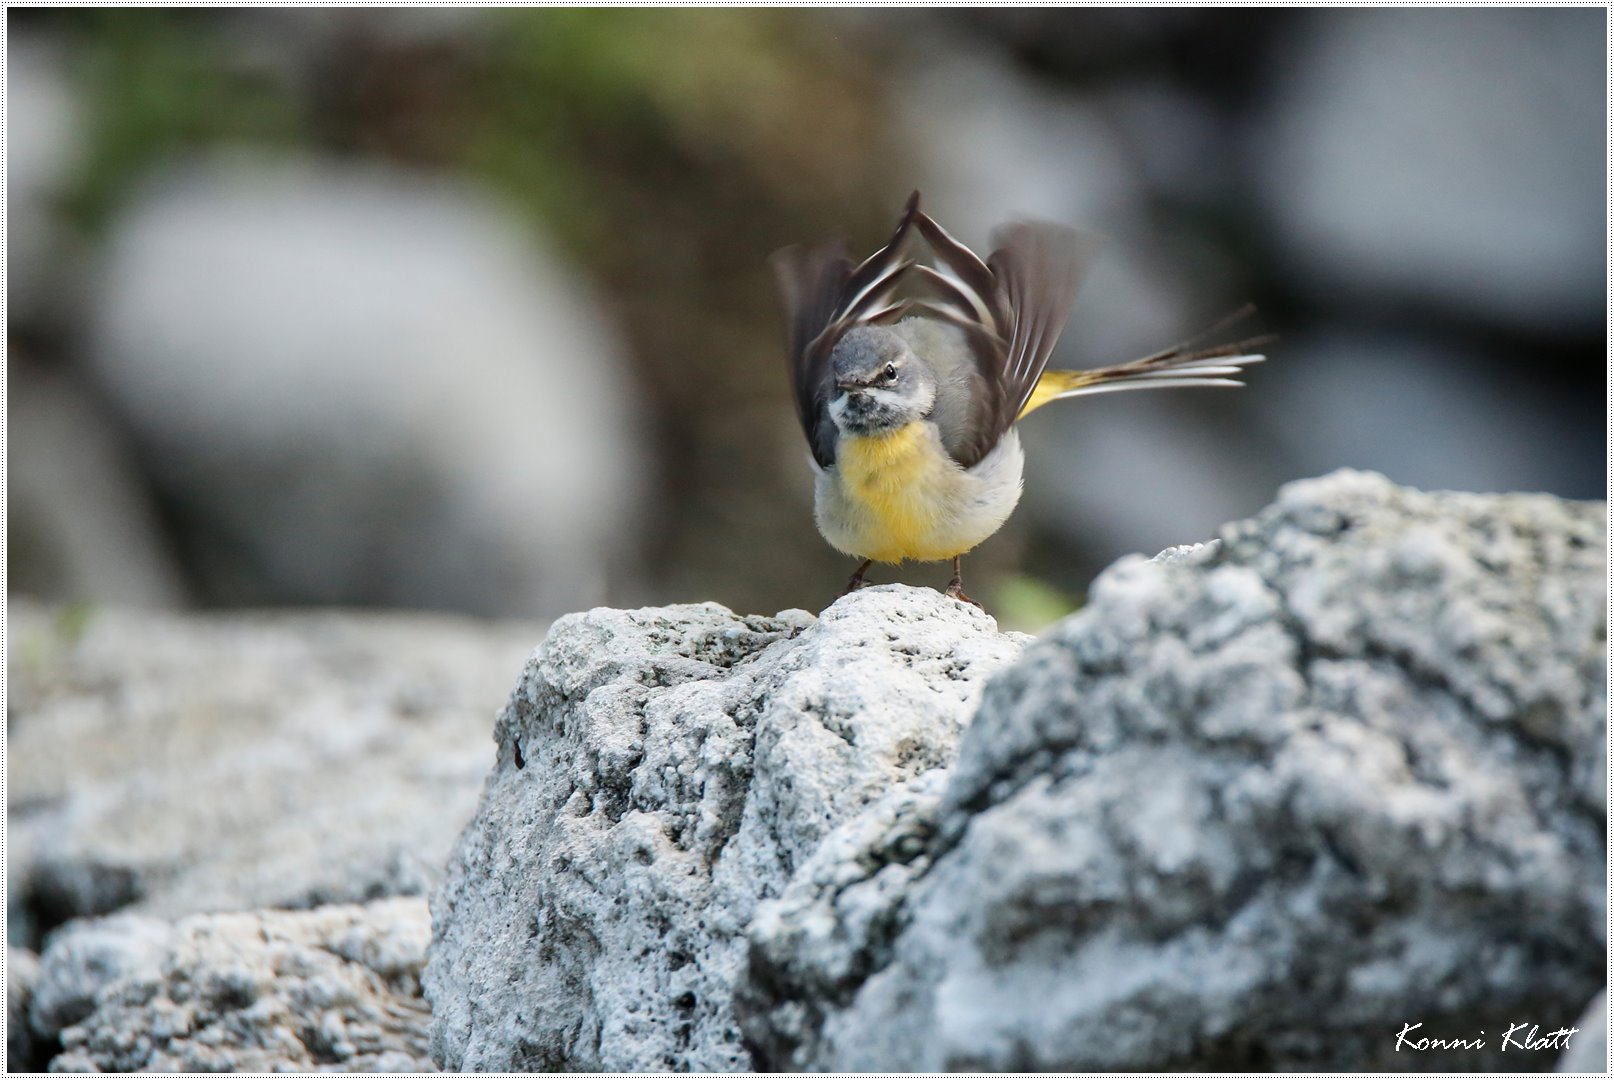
(824, 296)
(1012, 308)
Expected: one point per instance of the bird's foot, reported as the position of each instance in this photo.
(955, 589)
(856, 582)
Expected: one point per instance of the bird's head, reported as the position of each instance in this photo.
(880, 384)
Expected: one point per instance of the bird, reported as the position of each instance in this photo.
(909, 405)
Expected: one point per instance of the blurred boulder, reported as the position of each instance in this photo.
(80, 525)
(659, 772)
(172, 764)
(1424, 411)
(335, 989)
(45, 140)
(357, 386)
(1456, 156)
(22, 972)
(1260, 803)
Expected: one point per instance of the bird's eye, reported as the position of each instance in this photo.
(890, 372)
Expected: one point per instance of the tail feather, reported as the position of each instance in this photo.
(1179, 366)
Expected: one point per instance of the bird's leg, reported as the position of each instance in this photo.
(955, 588)
(856, 582)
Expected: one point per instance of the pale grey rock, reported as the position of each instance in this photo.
(85, 956)
(22, 972)
(841, 909)
(336, 988)
(1264, 800)
(1588, 1048)
(1261, 802)
(660, 772)
(173, 764)
(365, 387)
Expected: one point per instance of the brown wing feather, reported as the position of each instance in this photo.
(1040, 267)
(1013, 308)
(824, 296)
(811, 281)
(969, 271)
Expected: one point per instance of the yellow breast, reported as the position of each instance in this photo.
(896, 480)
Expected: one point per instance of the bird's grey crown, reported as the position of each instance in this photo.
(880, 383)
(864, 350)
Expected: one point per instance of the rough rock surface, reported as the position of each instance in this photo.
(22, 972)
(177, 764)
(86, 956)
(1255, 806)
(335, 989)
(660, 772)
(1260, 803)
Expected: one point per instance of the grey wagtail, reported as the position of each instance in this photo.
(909, 406)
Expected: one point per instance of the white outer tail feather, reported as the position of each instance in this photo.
(1211, 371)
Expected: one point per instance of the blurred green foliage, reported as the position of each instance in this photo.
(753, 101)
(154, 85)
(36, 650)
(570, 112)
(1029, 604)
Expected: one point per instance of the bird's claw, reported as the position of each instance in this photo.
(955, 589)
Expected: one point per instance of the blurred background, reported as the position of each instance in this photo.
(470, 310)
